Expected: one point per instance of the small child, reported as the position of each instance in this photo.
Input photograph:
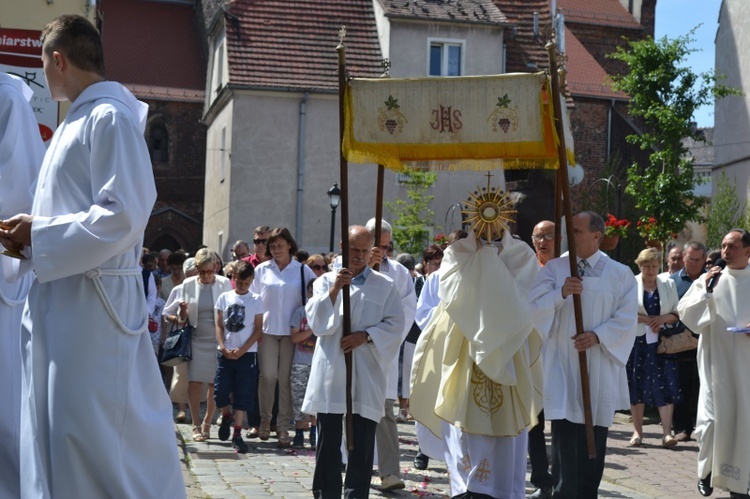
(236, 370)
(305, 340)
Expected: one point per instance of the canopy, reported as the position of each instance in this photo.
(453, 123)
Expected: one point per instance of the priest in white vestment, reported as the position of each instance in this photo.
(476, 377)
(95, 419)
(21, 155)
(610, 305)
(723, 423)
(377, 325)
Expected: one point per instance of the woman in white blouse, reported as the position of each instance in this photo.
(281, 283)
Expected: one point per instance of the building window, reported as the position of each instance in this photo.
(446, 58)
(158, 143)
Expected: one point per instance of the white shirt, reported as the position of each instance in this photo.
(238, 313)
(281, 292)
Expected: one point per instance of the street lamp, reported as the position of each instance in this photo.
(334, 197)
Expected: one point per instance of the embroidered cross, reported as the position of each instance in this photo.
(484, 471)
(466, 463)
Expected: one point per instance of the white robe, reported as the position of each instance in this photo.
(21, 155)
(609, 304)
(476, 374)
(723, 422)
(96, 420)
(375, 308)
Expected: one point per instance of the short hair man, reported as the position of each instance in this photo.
(543, 238)
(377, 322)
(716, 302)
(387, 432)
(675, 261)
(694, 254)
(240, 250)
(260, 245)
(94, 395)
(609, 303)
(21, 155)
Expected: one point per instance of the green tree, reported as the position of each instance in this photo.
(724, 212)
(412, 218)
(664, 94)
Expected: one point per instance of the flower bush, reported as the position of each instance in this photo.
(616, 227)
(647, 228)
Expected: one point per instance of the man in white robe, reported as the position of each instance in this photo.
(377, 323)
(95, 419)
(386, 435)
(723, 423)
(21, 155)
(477, 372)
(609, 304)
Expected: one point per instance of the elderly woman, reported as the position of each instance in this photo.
(652, 378)
(280, 282)
(318, 264)
(197, 297)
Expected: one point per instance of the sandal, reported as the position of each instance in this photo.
(668, 442)
(198, 435)
(206, 430)
(264, 433)
(284, 441)
(635, 442)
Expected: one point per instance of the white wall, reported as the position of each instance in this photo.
(732, 114)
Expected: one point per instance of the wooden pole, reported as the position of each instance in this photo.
(564, 186)
(344, 183)
(558, 211)
(379, 209)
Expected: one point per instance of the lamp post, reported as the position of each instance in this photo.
(334, 197)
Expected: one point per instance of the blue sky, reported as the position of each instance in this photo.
(675, 18)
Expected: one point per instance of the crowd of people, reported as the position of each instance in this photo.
(480, 342)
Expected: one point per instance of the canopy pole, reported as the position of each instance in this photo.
(563, 185)
(379, 210)
(344, 184)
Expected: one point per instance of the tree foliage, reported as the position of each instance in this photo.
(413, 218)
(665, 94)
(724, 212)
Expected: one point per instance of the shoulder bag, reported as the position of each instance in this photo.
(676, 343)
(177, 347)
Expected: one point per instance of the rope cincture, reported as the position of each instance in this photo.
(95, 276)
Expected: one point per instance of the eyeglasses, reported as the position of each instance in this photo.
(543, 237)
(318, 267)
(434, 263)
(206, 272)
(387, 247)
(260, 241)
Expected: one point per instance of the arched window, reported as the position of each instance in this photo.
(158, 143)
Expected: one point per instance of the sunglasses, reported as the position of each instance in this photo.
(260, 241)
(318, 267)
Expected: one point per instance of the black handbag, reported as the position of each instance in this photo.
(177, 347)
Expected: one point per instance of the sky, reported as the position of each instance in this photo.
(675, 18)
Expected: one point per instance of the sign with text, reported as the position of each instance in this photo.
(20, 55)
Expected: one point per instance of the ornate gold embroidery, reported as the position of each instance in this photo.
(487, 394)
(466, 463)
(484, 471)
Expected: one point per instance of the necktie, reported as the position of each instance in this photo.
(582, 267)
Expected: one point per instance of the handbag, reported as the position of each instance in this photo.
(680, 342)
(177, 347)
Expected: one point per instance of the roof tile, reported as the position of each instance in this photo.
(464, 11)
(292, 45)
(598, 12)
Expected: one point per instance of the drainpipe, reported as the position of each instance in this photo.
(609, 129)
(300, 166)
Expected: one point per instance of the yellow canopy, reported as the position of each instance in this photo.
(454, 123)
